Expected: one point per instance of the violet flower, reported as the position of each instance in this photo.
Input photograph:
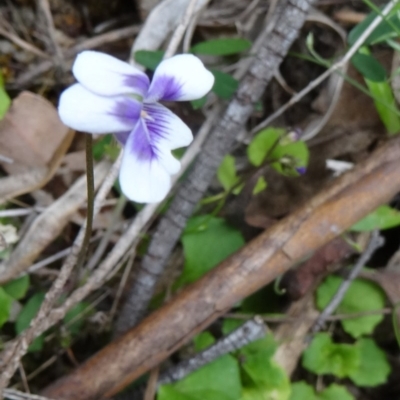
(114, 97)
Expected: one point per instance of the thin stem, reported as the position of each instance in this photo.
(90, 200)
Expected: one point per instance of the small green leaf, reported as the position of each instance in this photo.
(74, 317)
(225, 85)
(5, 306)
(369, 67)
(18, 287)
(219, 380)
(227, 173)
(362, 296)
(296, 154)
(335, 392)
(384, 101)
(100, 146)
(203, 340)
(384, 217)
(25, 317)
(383, 31)
(325, 357)
(262, 144)
(260, 185)
(374, 368)
(221, 47)
(5, 100)
(302, 391)
(206, 242)
(149, 59)
(196, 104)
(262, 377)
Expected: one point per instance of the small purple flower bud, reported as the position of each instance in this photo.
(301, 170)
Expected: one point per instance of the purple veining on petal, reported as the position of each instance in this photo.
(157, 121)
(164, 88)
(139, 83)
(122, 137)
(142, 145)
(127, 110)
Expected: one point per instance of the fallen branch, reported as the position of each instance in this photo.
(323, 217)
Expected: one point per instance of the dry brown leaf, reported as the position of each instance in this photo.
(32, 135)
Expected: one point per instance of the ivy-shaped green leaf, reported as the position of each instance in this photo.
(262, 377)
(325, 357)
(374, 368)
(219, 380)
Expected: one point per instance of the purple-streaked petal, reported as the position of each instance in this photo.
(108, 76)
(85, 111)
(165, 128)
(182, 77)
(145, 175)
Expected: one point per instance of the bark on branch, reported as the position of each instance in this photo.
(287, 23)
(322, 218)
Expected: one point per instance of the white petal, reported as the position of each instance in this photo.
(108, 76)
(165, 127)
(145, 171)
(85, 111)
(182, 77)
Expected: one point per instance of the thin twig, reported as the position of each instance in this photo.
(45, 9)
(250, 331)
(335, 67)
(375, 242)
(180, 30)
(17, 395)
(286, 319)
(87, 44)
(23, 44)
